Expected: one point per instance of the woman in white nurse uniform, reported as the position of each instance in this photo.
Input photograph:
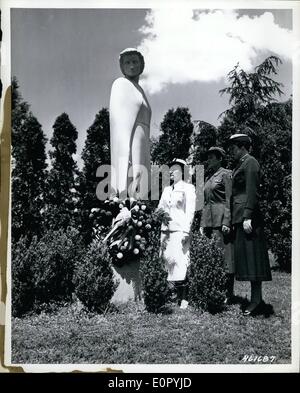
(179, 201)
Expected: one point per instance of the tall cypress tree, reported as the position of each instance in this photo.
(62, 175)
(28, 169)
(96, 152)
(204, 136)
(175, 139)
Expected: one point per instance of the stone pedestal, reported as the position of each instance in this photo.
(129, 278)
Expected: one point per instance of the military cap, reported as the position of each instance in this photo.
(216, 149)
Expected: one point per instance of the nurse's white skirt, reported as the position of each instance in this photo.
(176, 255)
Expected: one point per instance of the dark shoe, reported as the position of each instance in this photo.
(253, 309)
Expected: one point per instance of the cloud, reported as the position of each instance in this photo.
(181, 45)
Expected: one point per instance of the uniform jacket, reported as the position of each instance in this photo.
(217, 193)
(180, 203)
(245, 190)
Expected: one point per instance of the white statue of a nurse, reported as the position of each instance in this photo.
(130, 116)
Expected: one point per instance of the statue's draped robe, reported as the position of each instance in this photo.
(130, 116)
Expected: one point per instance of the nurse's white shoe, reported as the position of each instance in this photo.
(184, 304)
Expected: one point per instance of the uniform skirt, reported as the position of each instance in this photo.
(225, 243)
(175, 254)
(251, 255)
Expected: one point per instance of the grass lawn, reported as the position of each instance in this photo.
(132, 335)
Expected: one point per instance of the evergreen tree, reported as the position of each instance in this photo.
(251, 96)
(248, 92)
(254, 111)
(61, 192)
(204, 137)
(175, 139)
(28, 169)
(96, 152)
(274, 149)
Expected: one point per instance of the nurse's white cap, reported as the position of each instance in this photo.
(239, 138)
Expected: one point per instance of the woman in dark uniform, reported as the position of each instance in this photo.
(215, 217)
(250, 251)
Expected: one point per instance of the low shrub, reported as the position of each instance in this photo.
(154, 276)
(207, 278)
(42, 270)
(93, 277)
(54, 260)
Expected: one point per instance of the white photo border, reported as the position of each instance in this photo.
(5, 309)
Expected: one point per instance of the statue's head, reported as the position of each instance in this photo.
(128, 58)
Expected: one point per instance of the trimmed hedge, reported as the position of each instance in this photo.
(93, 277)
(42, 270)
(207, 277)
(55, 258)
(154, 275)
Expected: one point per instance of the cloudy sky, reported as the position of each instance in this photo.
(66, 59)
